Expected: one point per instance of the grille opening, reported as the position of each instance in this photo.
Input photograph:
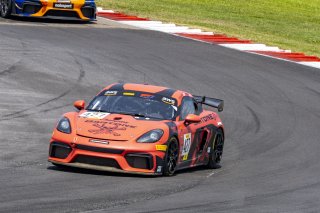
(97, 161)
(59, 150)
(140, 161)
(31, 9)
(88, 12)
(62, 13)
(99, 149)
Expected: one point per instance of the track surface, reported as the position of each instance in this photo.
(272, 117)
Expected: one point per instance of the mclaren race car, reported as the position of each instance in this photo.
(58, 9)
(138, 128)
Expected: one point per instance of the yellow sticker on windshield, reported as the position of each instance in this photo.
(128, 93)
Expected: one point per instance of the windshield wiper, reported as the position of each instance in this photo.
(130, 113)
(96, 110)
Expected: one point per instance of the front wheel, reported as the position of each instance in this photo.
(171, 157)
(5, 8)
(216, 155)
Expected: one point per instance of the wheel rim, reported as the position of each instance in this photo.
(218, 149)
(4, 6)
(172, 157)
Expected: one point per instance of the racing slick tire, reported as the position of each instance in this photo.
(171, 157)
(5, 8)
(216, 155)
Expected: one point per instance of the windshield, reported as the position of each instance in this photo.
(135, 103)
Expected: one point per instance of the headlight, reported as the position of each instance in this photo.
(151, 136)
(64, 125)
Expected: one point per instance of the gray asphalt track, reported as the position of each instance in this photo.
(272, 118)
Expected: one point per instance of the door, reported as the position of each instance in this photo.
(190, 134)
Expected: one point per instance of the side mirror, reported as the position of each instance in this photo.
(80, 104)
(191, 118)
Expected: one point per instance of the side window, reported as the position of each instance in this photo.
(198, 108)
(187, 107)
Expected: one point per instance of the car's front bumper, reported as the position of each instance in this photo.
(101, 168)
(116, 158)
(85, 11)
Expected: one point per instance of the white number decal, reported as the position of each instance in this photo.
(186, 146)
(94, 115)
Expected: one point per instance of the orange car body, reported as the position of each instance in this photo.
(84, 10)
(108, 141)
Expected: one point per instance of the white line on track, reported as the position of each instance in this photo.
(254, 47)
(100, 9)
(209, 175)
(311, 64)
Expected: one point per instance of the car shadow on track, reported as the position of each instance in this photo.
(115, 174)
(96, 172)
(47, 20)
(196, 169)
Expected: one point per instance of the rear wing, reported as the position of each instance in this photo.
(213, 102)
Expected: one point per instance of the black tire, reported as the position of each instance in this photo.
(216, 154)
(171, 157)
(5, 8)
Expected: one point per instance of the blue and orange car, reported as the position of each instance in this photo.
(57, 9)
(137, 128)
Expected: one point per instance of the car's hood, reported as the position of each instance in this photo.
(112, 126)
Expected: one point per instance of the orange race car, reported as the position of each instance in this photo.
(138, 128)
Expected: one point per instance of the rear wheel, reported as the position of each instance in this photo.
(5, 8)
(171, 157)
(216, 155)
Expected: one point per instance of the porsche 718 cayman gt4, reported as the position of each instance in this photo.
(137, 128)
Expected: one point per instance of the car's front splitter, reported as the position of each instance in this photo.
(102, 168)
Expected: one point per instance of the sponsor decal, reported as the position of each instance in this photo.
(159, 169)
(161, 147)
(109, 93)
(147, 96)
(63, 5)
(186, 146)
(208, 118)
(102, 128)
(185, 157)
(99, 141)
(128, 93)
(94, 115)
(111, 122)
(168, 100)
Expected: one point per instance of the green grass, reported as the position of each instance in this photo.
(289, 24)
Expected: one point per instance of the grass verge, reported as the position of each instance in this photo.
(288, 24)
